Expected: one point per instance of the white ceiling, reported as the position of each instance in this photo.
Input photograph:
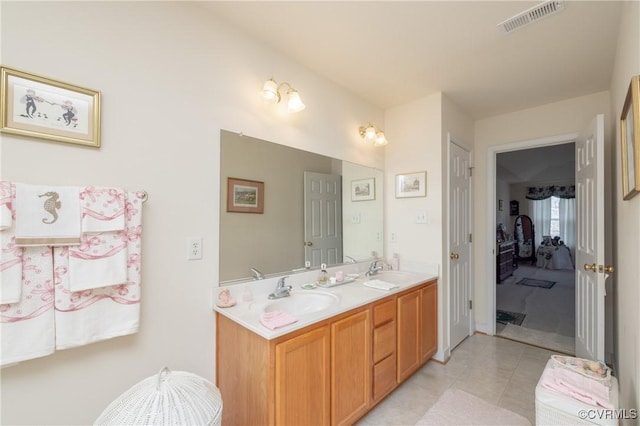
(547, 164)
(393, 52)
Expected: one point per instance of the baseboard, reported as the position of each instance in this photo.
(484, 329)
(441, 356)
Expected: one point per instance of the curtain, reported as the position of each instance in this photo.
(541, 217)
(544, 192)
(568, 223)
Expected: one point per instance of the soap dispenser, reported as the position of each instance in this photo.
(323, 278)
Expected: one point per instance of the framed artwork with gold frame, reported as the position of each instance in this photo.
(630, 140)
(245, 196)
(43, 108)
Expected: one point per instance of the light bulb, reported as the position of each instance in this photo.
(370, 134)
(380, 139)
(270, 92)
(294, 103)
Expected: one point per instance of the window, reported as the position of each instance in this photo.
(554, 226)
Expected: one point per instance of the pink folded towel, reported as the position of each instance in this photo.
(579, 387)
(276, 319)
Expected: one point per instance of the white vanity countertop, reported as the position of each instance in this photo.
(350, 296)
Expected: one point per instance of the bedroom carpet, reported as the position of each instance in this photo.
(549, 311)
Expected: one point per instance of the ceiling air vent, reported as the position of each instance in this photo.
(531, 15)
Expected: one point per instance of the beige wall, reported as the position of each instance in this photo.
(626, 231)
(503, 192)
(171, 77)
(422, 130)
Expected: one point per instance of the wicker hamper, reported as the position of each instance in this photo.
(171, 398)
(554, 408)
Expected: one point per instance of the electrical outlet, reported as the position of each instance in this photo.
(421, 217)
(195, 249)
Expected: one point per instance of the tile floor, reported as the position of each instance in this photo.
(500, 371)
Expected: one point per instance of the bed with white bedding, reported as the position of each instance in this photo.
(553, 256)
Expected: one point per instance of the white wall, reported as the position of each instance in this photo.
(171, 77)
(502, 216)
(422, 130)
(626, 225)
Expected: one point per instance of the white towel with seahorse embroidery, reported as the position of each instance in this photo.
(47, 215)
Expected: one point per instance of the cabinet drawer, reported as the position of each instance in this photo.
(384, 341)
(383, 312)
(384, 377)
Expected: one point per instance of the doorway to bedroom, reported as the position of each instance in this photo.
(535, 253)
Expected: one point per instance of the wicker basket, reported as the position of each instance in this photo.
(170, 398)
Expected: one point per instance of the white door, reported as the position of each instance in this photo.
(322, 219)
(459, 244)
(590, 277)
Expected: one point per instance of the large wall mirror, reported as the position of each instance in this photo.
(282, 207)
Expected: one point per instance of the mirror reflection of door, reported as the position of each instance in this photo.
(322, 219)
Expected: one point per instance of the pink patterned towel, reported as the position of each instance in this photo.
(102, 209)
(83, 317)
(27, 327)
(577, 386)
(10, 254)
(276, 319)
(7, 200)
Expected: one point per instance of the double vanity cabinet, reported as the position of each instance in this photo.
(329, 372)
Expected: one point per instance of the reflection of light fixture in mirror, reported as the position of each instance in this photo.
(372, 134)
(271, 94)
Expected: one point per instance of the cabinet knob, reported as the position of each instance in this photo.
(607, 269)
(308, 243)
(454, 255)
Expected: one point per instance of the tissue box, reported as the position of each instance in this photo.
(554, 408)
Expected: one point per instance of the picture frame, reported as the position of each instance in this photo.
(363, 189)
(410, 185)
(40, 107)
(630, 140)
(514, 208)
(245, 196)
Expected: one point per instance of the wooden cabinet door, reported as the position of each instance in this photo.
(429, 323)
(302, 379)
(350, 368)
(408, 353)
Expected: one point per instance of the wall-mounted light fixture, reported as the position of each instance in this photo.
(371, 133)
(271, 94)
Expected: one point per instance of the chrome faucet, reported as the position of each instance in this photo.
(257, 275)
(282, 290)
(373, 268)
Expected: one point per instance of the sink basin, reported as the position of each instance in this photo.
(303, 303)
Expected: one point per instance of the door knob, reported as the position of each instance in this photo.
(591, 268)
(607, 269)
(454, 255)
(308, 243)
